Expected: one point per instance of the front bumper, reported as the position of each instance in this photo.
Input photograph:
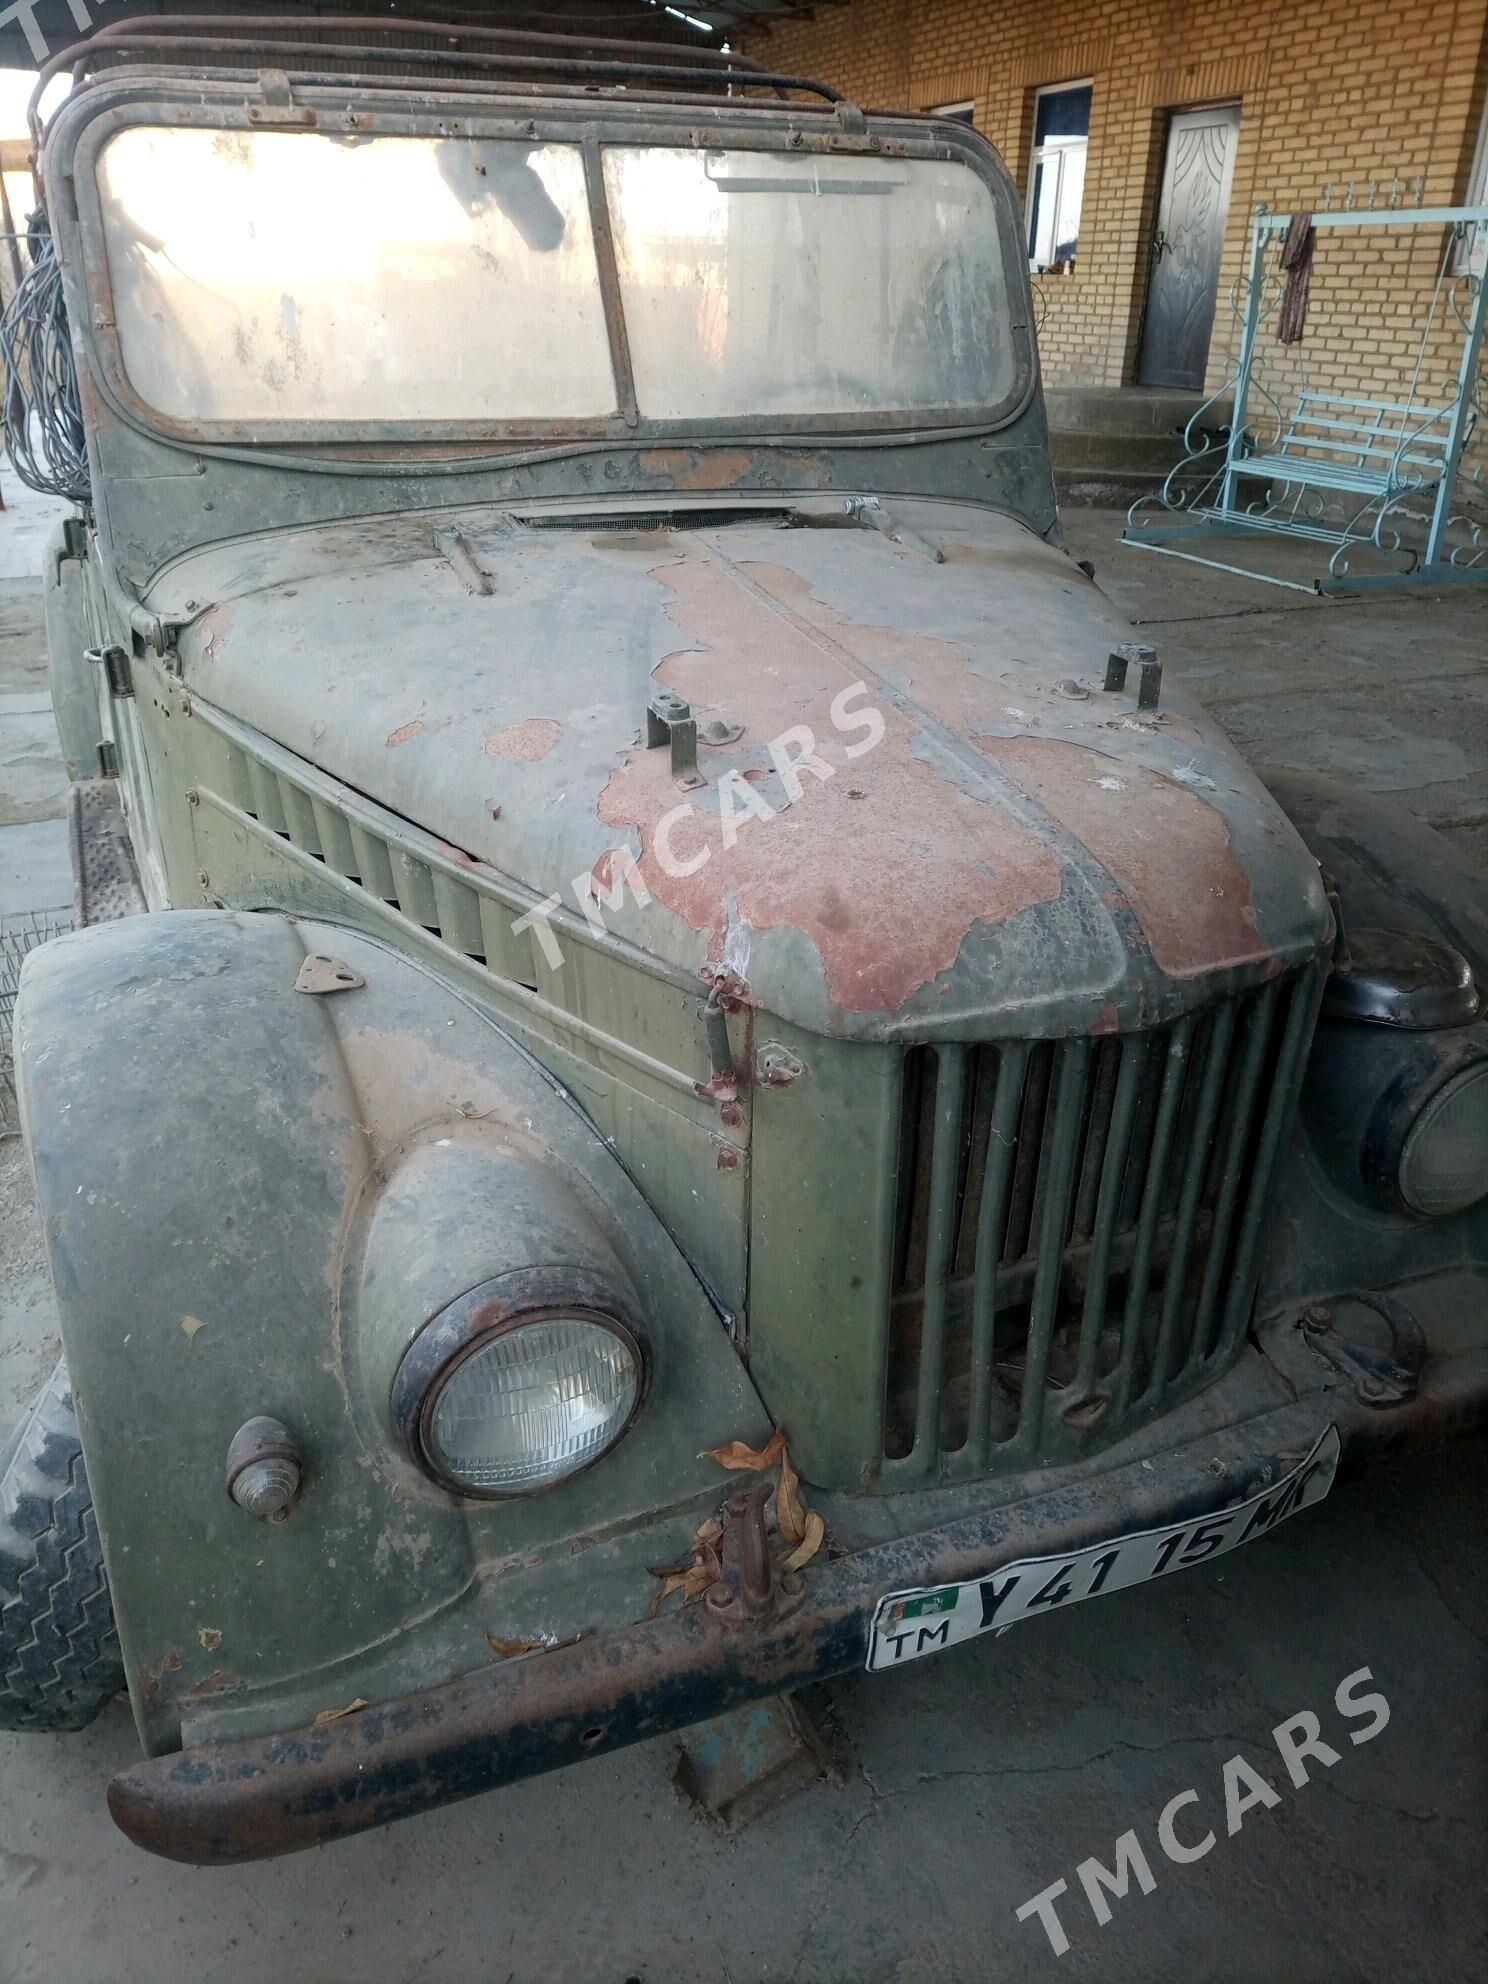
(230, 1801)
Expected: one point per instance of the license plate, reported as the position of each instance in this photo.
(909, 1624)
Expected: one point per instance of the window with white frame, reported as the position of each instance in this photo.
(1056, 179)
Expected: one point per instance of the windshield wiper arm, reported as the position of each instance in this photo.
(872, 515)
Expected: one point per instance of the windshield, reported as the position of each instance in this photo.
(755, 283)
(267, 275)
(299, 279)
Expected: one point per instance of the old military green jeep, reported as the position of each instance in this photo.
(634, 897)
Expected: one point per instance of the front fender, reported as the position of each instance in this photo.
(1390, 869)
(222, 1161)
(1327, 1236)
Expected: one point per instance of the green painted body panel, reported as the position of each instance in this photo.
(169, 1063)
(822, 1220)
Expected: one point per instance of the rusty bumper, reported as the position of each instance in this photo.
(248, 1800)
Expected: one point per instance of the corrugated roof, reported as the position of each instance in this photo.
(739, 16)
(712, 21)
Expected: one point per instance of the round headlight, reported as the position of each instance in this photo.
(532, 1405)
(511, 1389)
(1444, 1160)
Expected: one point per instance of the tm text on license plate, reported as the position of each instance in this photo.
(908, 1624)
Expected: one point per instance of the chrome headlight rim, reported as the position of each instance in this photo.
(500, 1307)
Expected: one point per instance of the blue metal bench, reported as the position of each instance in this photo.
(1393, 469)
(1376, 450)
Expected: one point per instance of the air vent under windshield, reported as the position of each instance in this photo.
(679, 518)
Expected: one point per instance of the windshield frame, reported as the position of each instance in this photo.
(88, 122)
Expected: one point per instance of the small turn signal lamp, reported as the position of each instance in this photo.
(264, 1469)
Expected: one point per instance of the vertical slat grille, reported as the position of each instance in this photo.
(1078, 1228)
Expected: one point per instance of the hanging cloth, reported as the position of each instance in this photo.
(1296, 262)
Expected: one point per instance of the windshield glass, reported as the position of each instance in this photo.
(756, 283)
(296, 279)
(268, 275)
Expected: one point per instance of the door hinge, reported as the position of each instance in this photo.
(114, 661)
(108, 758)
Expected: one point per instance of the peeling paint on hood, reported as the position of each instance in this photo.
(840, 862)
(1020, 848)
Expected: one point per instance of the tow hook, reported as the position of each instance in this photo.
(748, 1591)
(1378, 1380)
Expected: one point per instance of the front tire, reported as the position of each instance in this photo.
(59, 1654)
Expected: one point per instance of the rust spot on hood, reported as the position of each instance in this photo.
(460, 854)
(404, 731)
(694, 469)
(1164, 845)
(212, 629)
(525, 743)
(612, 863)
(885, 870)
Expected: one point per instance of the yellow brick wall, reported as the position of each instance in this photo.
(1330, 92)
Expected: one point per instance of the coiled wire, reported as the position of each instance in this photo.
(43, 415)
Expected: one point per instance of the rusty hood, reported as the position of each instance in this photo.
(923, 810)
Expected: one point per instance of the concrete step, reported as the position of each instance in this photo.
(1111, 445)
(1127, 409)
(1152, 454)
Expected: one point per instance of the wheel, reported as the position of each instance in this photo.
(59, 1654)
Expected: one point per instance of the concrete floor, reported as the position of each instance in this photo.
(969, 1783)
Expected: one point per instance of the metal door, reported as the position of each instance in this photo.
(1187, 246)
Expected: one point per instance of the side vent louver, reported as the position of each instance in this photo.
(271, 828)
(438, 902)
